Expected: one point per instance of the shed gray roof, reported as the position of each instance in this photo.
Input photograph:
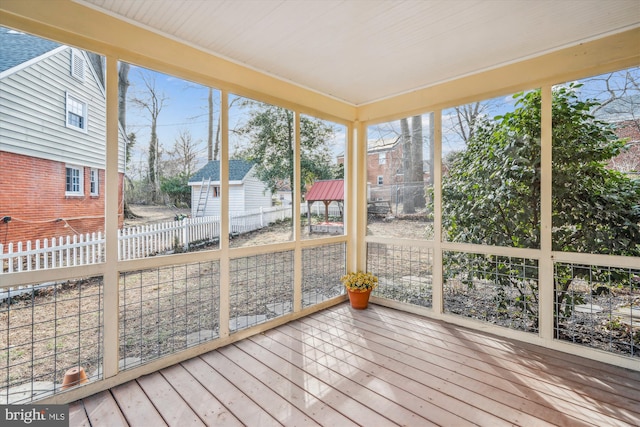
(17, 48)
(238, 169)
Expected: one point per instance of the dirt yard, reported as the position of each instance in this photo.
(152, 214)
(282, 232)
(38, 345)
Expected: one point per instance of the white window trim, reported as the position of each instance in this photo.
(85, 112)
(80, 170)
(382, 158)
(380, 180)
(94, 173)
(77, 63)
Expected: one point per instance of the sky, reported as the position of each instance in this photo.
(185, 107)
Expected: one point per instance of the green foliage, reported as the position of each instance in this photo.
(491, 195)
(131, 141)
(177, 188)
(270, 131)
(338, 171)
(497, 179)
(595, 209)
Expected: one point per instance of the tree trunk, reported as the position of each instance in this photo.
(417, 176)
(408, 206)
(153, 159)
(123, 87)
(216, 148)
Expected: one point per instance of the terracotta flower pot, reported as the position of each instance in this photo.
(359, 300)
(73, 377)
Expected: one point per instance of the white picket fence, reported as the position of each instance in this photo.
(51, 253)
(133, 242)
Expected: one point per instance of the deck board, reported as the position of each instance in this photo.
(341, 392)
(203, 403)
(103, 410)
(414, 387)
(277, 406)
(136, 406)
(290, 381)
(455, 379)
(239, 404)
(372, 367)
(78, 415)
(543, 357)
(173, 409)
(572, 388)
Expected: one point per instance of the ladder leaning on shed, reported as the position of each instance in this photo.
(201, 208)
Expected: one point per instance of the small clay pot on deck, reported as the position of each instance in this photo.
(73, 377)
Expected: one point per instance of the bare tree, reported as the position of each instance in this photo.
(216, 148)
(466, 120)
(618, 94)
(184, 155)
(213, 145)
(123, 87)
(152, 101)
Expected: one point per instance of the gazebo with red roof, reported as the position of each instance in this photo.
(326, 191)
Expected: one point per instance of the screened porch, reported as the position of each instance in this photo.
(497, 203)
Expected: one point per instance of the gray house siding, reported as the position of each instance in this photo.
(256, 195)
(237, 199)
(33, 113)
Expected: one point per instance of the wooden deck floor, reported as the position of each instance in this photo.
(376, 367)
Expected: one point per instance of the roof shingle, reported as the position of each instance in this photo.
(17, 48)
(238, 169)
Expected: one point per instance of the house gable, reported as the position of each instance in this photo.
(35, 102)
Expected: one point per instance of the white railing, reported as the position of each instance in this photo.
(133, 242)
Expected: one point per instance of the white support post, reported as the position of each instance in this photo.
(111, 274)
(545, 265)
(224, 217)
(360, 155)
(438, 284)
(351, 198)
(295, 206)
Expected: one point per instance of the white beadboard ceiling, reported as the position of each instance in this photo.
(360, 51)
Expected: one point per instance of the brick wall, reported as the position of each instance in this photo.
(629, 160)
(32, 193)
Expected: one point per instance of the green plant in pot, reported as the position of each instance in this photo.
(359, 286)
